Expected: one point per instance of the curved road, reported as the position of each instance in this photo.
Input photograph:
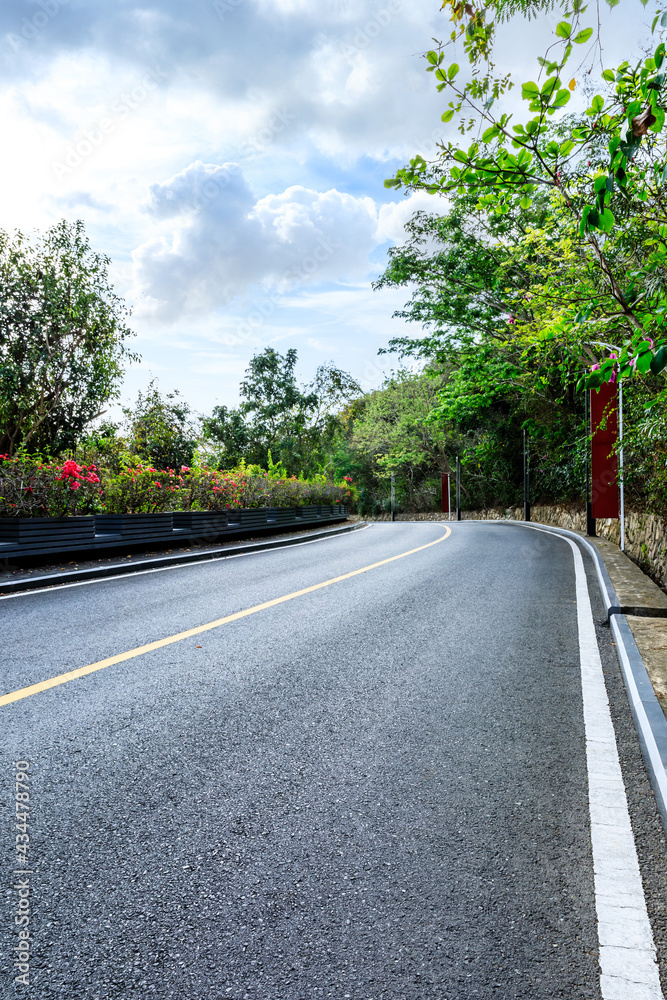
(375, 789)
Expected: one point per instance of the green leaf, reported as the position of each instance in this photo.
(550, 86)
(583, 36)
(607, 221)
(644, 362)
(659, 360)
(562, 97)
(529, 91)
(564, 30)
(608, 75)
(659, 122)
(566, 147)
(393, 182)
(490, 133)
(432, 58)
(452, 71)
(659, 55)
(447, 116)
(597, 104)
(525, 203)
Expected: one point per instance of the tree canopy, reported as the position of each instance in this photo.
(293, 424)
(63, 334)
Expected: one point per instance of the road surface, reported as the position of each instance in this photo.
(374, 789)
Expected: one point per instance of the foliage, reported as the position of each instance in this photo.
(30, 487)
(62, 338)
(294, 424)
(603, 172)
(161, 429)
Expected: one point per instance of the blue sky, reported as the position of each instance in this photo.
(229, 156)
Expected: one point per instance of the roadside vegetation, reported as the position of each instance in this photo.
(540, 272)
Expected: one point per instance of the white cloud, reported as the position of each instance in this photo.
(220, 241)
(317, 101)
(393, 216)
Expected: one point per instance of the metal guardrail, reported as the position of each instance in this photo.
(44, 536)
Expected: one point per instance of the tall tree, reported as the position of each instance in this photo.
(294, 423)
(62, 337)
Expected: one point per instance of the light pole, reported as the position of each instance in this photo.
(526, 476)
(590, 520)
(620, 461)
(393, 497)
(458, 488)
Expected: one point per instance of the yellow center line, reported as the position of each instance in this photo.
(71, 675)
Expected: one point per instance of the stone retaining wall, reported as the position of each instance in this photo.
(645, 534)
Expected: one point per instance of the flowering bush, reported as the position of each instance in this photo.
(30, 487)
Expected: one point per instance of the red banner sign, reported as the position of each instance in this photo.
(604, 460)
(444, 488)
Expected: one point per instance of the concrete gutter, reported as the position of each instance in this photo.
(158, 562)
(647, 712)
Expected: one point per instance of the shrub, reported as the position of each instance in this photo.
(30, 487)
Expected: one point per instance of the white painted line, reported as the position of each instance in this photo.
(56, 587)
(628, 967)
(649, 740)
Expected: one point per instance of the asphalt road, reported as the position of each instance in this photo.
(374, 790)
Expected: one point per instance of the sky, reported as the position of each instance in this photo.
(229, 157)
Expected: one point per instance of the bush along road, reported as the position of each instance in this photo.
(354, 767)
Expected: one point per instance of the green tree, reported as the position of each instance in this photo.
(62, 338)
(296, 424)
(604, 173)
(161, 429)
(388, 432)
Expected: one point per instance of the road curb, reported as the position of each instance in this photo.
(649, 718)
(157, 562)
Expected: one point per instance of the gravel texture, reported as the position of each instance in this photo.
(377, 790)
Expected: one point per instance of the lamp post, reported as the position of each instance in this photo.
(620, 462)
(393, 497)
(590, 520)
(526, 476)
(458, 488)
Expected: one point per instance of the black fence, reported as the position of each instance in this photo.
(44, 536)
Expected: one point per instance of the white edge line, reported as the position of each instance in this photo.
(636, 704)
(57, 587)
(645, 725)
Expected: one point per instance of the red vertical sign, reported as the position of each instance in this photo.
(444, 488)
(604, 460)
